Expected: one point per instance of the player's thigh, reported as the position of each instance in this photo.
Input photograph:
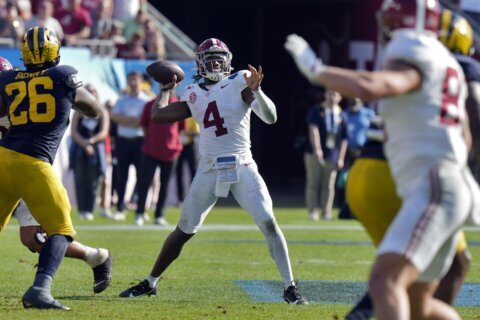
(8, 203)
(48, 201)
(425, 229)
(252, 194)
(199, 200)
(371, 196)
(8, 197)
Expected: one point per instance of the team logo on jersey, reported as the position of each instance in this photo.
(192, 97)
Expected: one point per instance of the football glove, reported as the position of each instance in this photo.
(305, 59)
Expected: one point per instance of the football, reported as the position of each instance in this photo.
(162, 71)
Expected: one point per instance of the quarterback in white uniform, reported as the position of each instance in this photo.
(422, 91)
(222, 105)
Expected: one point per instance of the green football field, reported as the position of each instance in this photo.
(224, 272)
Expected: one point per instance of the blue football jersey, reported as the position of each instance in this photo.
(38, 105)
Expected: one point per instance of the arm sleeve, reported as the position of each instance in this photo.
(264, 107)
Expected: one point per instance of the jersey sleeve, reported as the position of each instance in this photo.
(414, 50)
(70, 76)
(186, 93)
(238, 79)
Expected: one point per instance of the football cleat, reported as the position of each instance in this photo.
(41, 298)
(140, 290)
(102, 275)
(291, 295)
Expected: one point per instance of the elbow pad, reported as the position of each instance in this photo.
(264, 107)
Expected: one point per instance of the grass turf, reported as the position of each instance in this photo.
(203, 282)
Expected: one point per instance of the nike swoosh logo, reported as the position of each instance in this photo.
(221, 87)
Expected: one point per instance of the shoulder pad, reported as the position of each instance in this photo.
(233, 76)
(70, 76)
(73, 81)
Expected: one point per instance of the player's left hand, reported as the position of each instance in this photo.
(304, 57)
(255, 78)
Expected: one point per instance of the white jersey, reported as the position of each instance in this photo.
(223, 116)
(425, 126)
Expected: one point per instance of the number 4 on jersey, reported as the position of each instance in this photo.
(216, 121)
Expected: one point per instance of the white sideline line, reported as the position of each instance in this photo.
(219, 227)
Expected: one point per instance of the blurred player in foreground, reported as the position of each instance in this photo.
(371, 190)
(422, 94)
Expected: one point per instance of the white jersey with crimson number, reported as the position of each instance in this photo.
(425, 125)
(427, 154)
(223, 116)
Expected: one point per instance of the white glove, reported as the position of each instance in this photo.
(305, 59)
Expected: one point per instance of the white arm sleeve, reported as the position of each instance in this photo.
(263, 107)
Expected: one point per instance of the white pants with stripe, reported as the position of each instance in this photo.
(435, 209)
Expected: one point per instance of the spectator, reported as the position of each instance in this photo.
(126, 9)
(358, 121)
(36, 3)
(133, 49)
(44, 18)
(111, 173)
(75, 20)
(116, 33)
(11, 24)
(106, 183)
(135, 25)
(324, 154)
(188, 155)
(161, 149)
(24, 9)
(154, 41)
(128, 144)
(90, 5)
(102, 21)
(88, 157)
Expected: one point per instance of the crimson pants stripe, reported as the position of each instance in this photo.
(428, 213)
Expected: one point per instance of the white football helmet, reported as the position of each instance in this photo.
(213, 50)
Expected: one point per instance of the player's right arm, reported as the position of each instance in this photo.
(163, 112)
(398, 76)
(172, 112)
(86, 103)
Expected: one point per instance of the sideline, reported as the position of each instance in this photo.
(219, 227)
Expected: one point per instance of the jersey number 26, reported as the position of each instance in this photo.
(22, 89)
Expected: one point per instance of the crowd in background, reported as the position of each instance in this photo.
(126, 23)
(103, 150)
